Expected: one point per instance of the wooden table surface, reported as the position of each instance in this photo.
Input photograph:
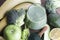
(2, 1)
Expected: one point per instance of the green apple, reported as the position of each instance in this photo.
(12, 32)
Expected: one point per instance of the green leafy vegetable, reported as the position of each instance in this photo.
(25, 34)
(54, 20)
(16, 17)
(52, 5)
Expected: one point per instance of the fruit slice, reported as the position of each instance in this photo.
(55, 33)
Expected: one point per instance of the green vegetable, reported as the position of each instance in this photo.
(36, 17)
(54, 20)
(46, 34)
(52, 5)
(25, 34)
(12, 32)
(34, 36)
(16, 17)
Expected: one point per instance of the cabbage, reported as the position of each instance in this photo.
(52, 5)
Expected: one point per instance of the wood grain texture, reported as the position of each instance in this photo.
(2, 1)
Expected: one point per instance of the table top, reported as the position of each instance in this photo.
(2, 1)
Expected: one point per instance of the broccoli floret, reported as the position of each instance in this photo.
(16, 17)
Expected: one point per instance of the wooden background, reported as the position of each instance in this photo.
(2, 1)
